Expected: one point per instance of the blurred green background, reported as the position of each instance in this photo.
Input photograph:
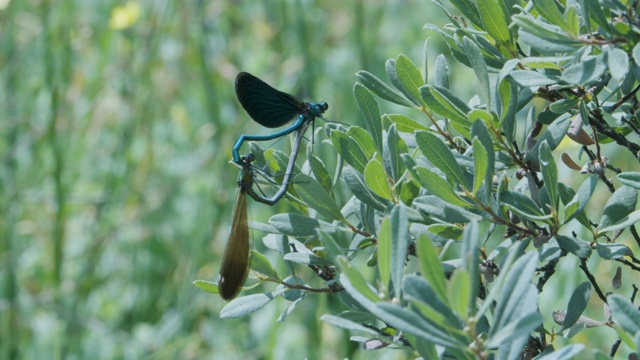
(116, 124)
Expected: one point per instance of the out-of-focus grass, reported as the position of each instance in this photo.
(116, 124)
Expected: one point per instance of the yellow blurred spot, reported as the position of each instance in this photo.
(4, 4)
(567, 143)
(124, 16)
(180, 117)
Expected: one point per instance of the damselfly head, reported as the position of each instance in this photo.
(316, 109)
(247, 160)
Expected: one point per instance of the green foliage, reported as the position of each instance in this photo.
(417, 249)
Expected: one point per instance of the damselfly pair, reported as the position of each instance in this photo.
(270, 108)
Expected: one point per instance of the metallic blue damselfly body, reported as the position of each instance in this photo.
(271, 108)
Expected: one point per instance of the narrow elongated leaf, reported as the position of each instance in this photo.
(395, 146)
(522, 205)
(584, 111)
(479, 67)
(636, 53)
(207, 286)
(545, 37)
(408, 191)
(549, 45)
(443, 231)
(527, 78)
(519, 329)
(549, 10)
(316, 197)
(618, 63)
(299, 225)
(357, 316)
(567, 195)
(347, 324)
(283, 247)
(306, 259)
(594, 11)
(376, 179)
(504, 101)
(409, 76)
(293, 295)
(375, 85)
(442, 72)
(425, 60)
(364, 140)
(369, 109)
(459, 292)
(508, 118)
(350, 151)
(581, 198)
(626, 338)
(573, 21)
(245, 305)
(483, 119)
(549, 174)
(355, 284)
(578, 247)
(406, 320)
(425, 349)
(355, 182)
(431, 268)
(441, 156)
(631, 179)
(435, 207)
(495, 20)
(406, 124)
(586, 71)
(626, 221)
(620, 205)
(390, 67)
(277, 162)
(577, 304)
(444, 102)
(331, 247)
(624, 313)
(384, 252)
(479, 131)
(469, 10)
(480, 164)
(438, 186)
(545, 62)
(517, 287)
(613, 251)
(320, 172)
(553, 135)
(470, 262)
(511, 350)
(261, 264)
(423, 297)
(399, 245)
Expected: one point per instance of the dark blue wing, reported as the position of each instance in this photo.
(267, 106)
